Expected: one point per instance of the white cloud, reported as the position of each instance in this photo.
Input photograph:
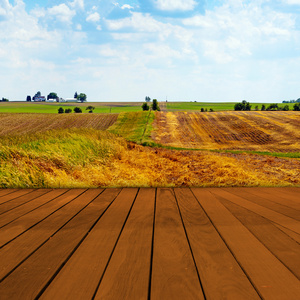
(94, 17)
(62, 12)
(77, 4)
(173, 5)
(126, 6)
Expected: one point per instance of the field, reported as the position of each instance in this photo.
(253, 131)
(216, 106)
(42, 107)
(102, 150)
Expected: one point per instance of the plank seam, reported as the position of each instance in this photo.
(152, 248)
(79, 243)
(186, 235)
(16, 197)
(113, 250)
(42, 219)
(232, 253)
(5, 276)
(34, 208)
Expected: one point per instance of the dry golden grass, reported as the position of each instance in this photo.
(90, 158)
(256, 131)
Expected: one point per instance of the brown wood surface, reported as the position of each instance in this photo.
(174, 274)
(147, 243)
(269, 276)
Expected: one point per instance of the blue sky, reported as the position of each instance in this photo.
(124, 50)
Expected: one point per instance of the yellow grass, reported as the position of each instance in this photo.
(91, 158)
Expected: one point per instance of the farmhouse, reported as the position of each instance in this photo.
(72, 100)
(39, 99)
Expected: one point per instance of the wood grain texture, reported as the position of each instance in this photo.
(269, 214)
(28, 280)
(4, 192)
(128, 272)
(7, 206)
(29, 206)
(280, 244)
(269, 276)
(174, 275)
(17, 227)
(216, 265)
(80, 276)
(14, 195)
(280, 208)
(12, 254)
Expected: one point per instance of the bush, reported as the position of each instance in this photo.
(286, 108)
(202, 109)
(68, 110)
(145, 106)
(297, 107)
(211, 109)
(273, 106)
(61, 110)
(77, 110)
(263, 107)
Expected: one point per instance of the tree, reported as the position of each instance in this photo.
(286, 108)
(77, 110)
(90, 108)
(263, 107)
(202, 109)
(81, 97)
(75, 95)
(52, 96)
(28, 98)
(244, 105)
(4, 99)
(297, 106)
(37, 95)
(256, 107)
(147, 99)
(61, 110)
(273, 106)
(155, 105)
(68, 110)
(145, 106)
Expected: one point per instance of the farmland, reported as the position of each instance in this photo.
(102, 150)
(253, 131)
(44, 107)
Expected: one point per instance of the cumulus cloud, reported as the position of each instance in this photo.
(173, 5)
(62, 12)
(126, 6)
(94, 17)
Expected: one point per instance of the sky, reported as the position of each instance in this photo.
(124, 50)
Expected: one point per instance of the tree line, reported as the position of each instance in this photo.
(246, 106)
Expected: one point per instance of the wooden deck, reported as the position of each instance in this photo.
(213, 243)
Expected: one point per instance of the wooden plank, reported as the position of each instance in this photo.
(282, 209)
(127, 275)
(17, 227)
(290, 193)
(269, 276)
(174, 274)
(280, 244)
(14, 195)
(32, 276)
(273, 195)
(82, 273)
(215, 263)
(295, 236)
(5, 207)
(29, 206)
(4, 192)
(265, 212)
(24, 245)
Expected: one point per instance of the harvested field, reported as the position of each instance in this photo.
(16, 124)
(255, 131)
